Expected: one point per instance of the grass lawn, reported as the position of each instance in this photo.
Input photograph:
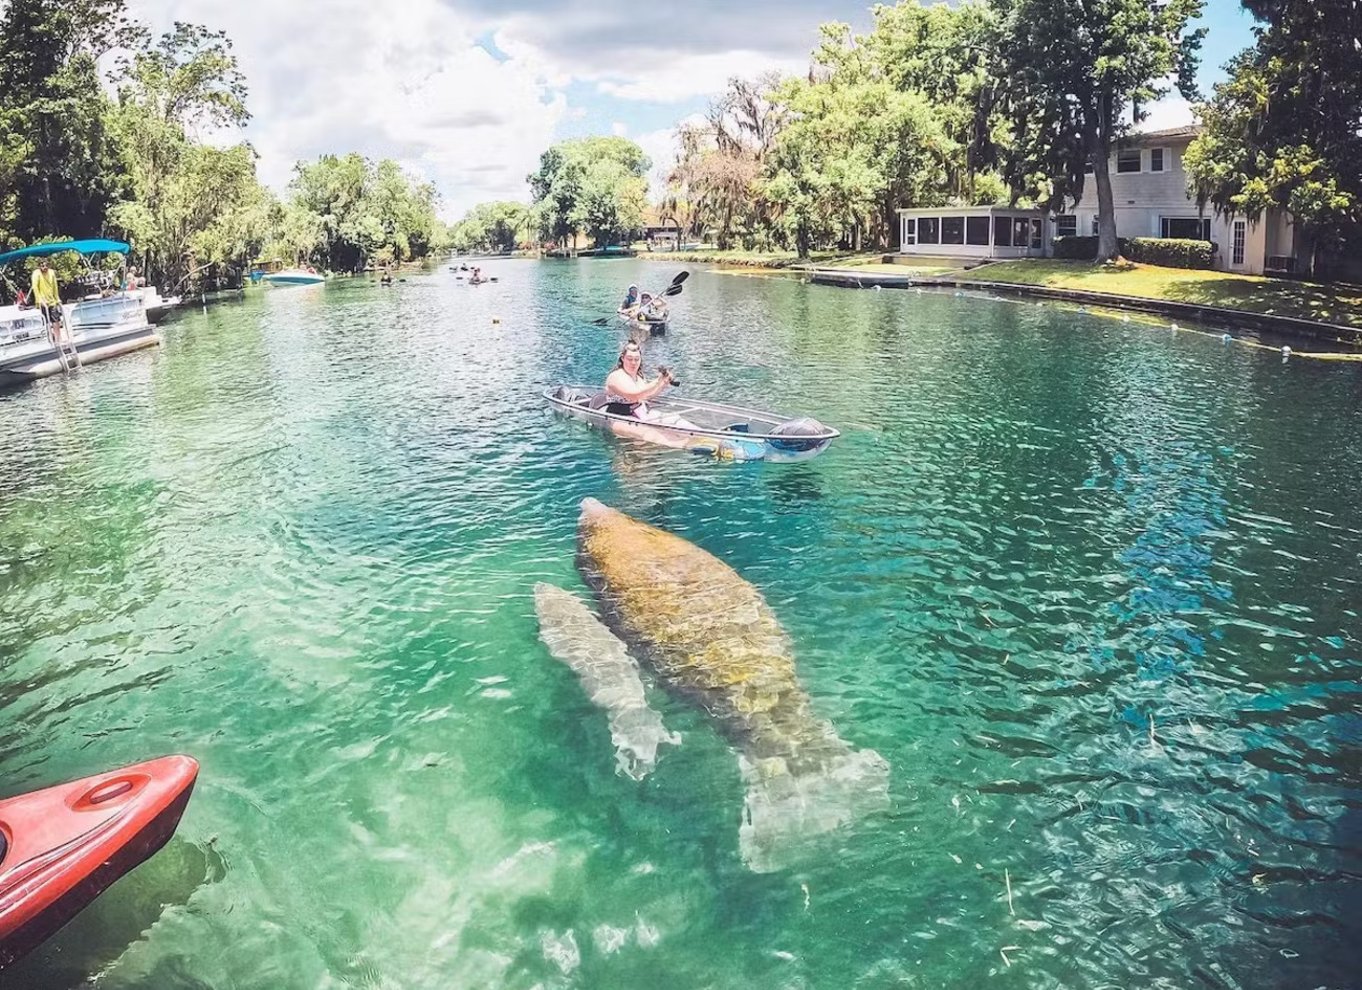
(920, 266)
(1338, 303)
(759, 259)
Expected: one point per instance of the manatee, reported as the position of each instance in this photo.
(711, 638)
(610, 676)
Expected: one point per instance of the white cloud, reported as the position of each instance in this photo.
(415, 84)
(1171, 111)
(619, 128)
(668, 78)
(416, 88)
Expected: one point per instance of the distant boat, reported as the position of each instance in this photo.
(292, 276)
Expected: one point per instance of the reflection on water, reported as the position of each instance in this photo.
(1089, 588)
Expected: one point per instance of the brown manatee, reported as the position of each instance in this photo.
(710, 637)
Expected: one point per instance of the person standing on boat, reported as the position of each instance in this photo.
(45, 295)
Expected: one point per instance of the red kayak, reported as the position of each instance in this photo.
(63, 846)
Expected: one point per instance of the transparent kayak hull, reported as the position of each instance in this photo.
(713, 429)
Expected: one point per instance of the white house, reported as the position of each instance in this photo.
(974, 232)
(1149, 190)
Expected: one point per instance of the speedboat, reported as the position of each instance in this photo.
(293, 276)
(730, 433)
(61, 847)
(94, 329)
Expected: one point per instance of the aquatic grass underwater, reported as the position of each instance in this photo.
(1089, 587)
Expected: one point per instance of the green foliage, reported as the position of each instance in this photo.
(1285, 131)
(1074, 248)
(591, 185)
(492, 227)
(193, 207)
(347, 211)
(1071, 70)
(1169, 252)
(58, 161)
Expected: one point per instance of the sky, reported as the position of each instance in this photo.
(467, 93)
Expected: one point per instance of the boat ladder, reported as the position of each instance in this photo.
(67, 354)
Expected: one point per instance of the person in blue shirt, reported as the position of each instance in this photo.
(630, 301)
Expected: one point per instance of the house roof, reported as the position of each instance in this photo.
(1185, 133)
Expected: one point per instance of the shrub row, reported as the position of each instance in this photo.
(1165, 251)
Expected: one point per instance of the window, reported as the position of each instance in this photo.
(929, 230)
(976, 230)
(1002, 231)
(1156, 160)
(952, 230)
(909, 230)
(1021, 232)
(1128, 160)
(1240, 237)
(1096, 221)
(1186, 228)
(1066, 226)
(1037, 233)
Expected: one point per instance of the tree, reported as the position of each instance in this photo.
(63, 162)
(346, 211)
(190, 204)
(494, 227)
(1285, 131)
(1073, 70)
(593, 184)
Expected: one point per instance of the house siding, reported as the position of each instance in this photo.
(1143, 199)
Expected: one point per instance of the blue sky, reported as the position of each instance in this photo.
(467, 93)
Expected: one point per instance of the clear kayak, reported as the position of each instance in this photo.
(710, 428)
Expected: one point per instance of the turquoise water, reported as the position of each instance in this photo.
(1089, 587)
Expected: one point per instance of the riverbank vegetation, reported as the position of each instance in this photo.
(102, 135)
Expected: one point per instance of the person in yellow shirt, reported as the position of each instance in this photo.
(45, 295)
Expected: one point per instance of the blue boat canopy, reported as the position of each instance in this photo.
(57, 247)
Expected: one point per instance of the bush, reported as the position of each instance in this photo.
(1076, 248)
(1169, 252)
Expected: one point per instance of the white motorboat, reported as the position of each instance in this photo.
(293, 276)
(93, 329)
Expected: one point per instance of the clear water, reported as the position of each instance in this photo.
(1091, 588)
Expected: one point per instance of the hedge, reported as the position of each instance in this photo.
(1168, 252)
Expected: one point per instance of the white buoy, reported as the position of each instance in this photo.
(1225, 337)
(1286, 353)
(1173, 327)
(878, 288)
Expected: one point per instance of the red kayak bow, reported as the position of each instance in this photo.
(63, 846)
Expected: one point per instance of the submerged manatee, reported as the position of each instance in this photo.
(610, 676)
(710, 636)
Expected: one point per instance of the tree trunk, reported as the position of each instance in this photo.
(1108, 247)
(1099, 152)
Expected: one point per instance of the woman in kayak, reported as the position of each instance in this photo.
(627, 392)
